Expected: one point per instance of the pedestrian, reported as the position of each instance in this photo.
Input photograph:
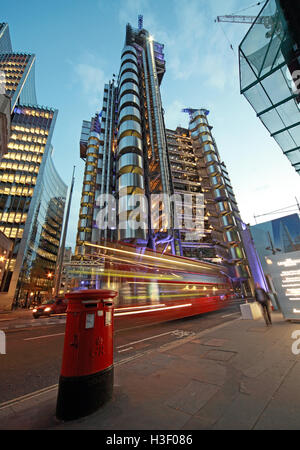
(263, 298)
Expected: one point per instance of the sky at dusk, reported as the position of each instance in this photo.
(78, 46)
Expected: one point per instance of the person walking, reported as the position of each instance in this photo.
(263, 298)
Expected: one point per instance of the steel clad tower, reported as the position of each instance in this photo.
(129, 153)
(219, 197)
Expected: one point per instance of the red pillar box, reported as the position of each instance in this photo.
(86, 380)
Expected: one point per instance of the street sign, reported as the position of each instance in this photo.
(285, 272)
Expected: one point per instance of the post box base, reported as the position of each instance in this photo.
(80, 396)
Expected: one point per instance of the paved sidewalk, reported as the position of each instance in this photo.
(240, 375)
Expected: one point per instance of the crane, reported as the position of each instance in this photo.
(265, 20)
(235, 18)
(270, 22)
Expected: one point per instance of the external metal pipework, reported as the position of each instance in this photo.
(130, 167)
(110, 141)
(148, 104)
(105, 140)
(165, 175)
(108, 124)
(85, 226)
(157, 111)
(201, 131)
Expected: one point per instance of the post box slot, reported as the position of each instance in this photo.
(90, 305)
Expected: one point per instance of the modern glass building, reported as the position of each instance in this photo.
(128, 151)
(5, 42)
(32, 200)
(32, 194)
(42, 234)
(270, 73)
(278, 241)
(5, 101)
(19, 70)
(276, 236)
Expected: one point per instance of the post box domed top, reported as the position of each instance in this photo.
(92, 294)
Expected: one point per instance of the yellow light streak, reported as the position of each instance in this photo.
(151, 310)
(140, 307)
(148, 256)
(121, 274)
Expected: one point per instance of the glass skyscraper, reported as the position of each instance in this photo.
(277, 236)
(5, 42)
(32, 194)
(128, 151)
(5, 102)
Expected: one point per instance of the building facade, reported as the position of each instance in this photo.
(5, 101)
(222, 210)
(128, 152)
(125, 148)
(5, 42)
(19, 71)
(32, 194)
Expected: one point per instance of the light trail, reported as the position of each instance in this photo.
(152, 310)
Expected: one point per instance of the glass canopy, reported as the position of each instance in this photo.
(270, 74)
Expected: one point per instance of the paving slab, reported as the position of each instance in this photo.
(192, 397)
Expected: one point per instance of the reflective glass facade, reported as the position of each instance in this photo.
(269, 73)
(32, 200)
(5, 42)
(32, 194)
(279, 235)
(43, 235)
(20, 166)
(19, 79)
(5, 100)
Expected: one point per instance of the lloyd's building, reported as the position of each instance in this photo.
(32, 194)
(128, 150)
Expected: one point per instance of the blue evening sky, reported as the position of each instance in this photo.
(78, 45)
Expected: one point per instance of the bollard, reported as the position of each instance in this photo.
(86, 379)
